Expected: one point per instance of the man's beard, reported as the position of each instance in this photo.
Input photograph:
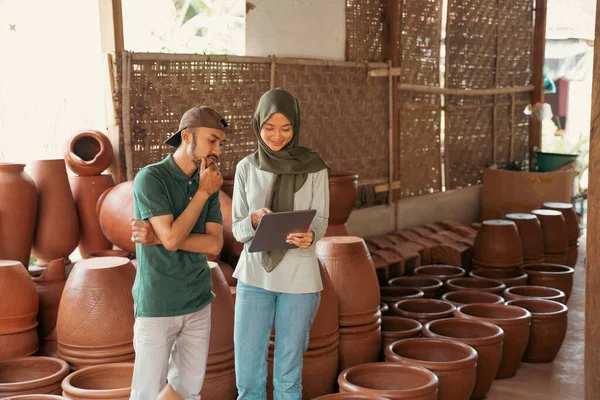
(212, 159)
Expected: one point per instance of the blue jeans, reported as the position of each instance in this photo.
(256, 310)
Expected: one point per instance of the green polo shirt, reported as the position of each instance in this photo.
(170, 283)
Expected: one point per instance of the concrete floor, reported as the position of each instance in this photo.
(563, 379)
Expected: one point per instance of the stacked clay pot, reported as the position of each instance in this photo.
(551, 275)
(573, 232)
(32, 375)
(343, 190)
(95, 316)
(532, 236)
(109, 381)
(393, 294)
(349, 265)
(498, 245)
(394, 328)
(534, 292)
(556, 239)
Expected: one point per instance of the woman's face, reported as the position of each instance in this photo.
(277, 132)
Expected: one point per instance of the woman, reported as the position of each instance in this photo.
(278, 289)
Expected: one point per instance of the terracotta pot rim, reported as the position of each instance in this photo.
(456, 283)
(557, 292)
(520, 216)
(37, 396)
(470, 358)
(433, 283)
(500, 264)
(342, 175)
(104, 394)
(521, 275)
(55, 377)
(560, 269)
(417, 326)
(90, 133)
(472, 341)
(459, 272)
(450, 310)
(563, 309)
(499, 299)
(11, 167)
(525, 316)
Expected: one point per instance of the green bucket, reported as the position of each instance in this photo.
(548, 162)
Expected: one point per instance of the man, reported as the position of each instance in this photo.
(177, 222)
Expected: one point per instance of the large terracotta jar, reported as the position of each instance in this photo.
(394, 328)
(551, 275)
(57, 226)
(49, 286)
(463, 297)
(32, 375)
(231, 247)
(88, 153)
(391, 381)
(110, 381)
(510, 277)
(514, 321)
(486, 338)
(454, 363)
(548, 328)
(423, 310)
(343, 189)
(114, 208)
(556, 239)
(498, 245)
(86, 192)
(568, 212)
(95, 316)
(534, 292)
(18, 209)
(19, 305)
(532, 236)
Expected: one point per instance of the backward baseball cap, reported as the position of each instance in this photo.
(198, 117)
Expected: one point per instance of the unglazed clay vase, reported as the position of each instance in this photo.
(86, 192)
(19, 304)
(454, 363)
(95, 316)
(481, 284)
(551, 275)
(486, 338)
(393, 294)
(57, 226)
(231, 247)
(510, 277)
(514, 321)
(431, 287)
(548, 328)
(32, 375)
(534, 292)
(343, 189)
(532, 236)
(349, 396)
(572, 256)
(49, 286)
(110, 381)
(359, 344)
(168, 393)
(394, 328)
(556, 239)
(570, 217)
(498, 245)
(88, 153)
(441, 272)
(114, 208)
(18, 210)
(423, 310)
(463, 297)
(391, 381)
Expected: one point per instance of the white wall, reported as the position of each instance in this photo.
(296, 28)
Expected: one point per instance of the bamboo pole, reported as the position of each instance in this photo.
(273, 65)
(127, 147)
(511, 156)
(496, 73)
(464, 92)
(459, 107)
(537, 78)
(391, 149)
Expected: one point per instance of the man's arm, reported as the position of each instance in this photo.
(209, 243)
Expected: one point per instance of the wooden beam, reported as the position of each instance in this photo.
(537, 77)
(405, 87)
(592, 278)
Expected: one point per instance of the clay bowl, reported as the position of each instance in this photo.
(31, 375)
(531, 233)
(556, 239)
(441, 272)
(431, 287)
(486, 338)
(394, 328)
(109, 381)
(570, 217)
(551, 275)
(498, 244)
(454, 363)
(510, 277)
(390, 380)
(393, 294)
(423, 310)
(534, 292)
(514, 321)
(463, 297)
(480, 284)
(349, 396)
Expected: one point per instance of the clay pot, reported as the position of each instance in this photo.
(86, 192)
(551, 275)
(32, 375)
(349, 396)
(325, 328)
(393, 294)
(227, 186)
(391, 381)
(343, 189)
(498, 245)
(454, 363)
(18, 210)
(570, 217)
(49, 286)
(463, 297)
(95, 316)
(110, 381)
(168, 393)
(441, 272)
(109, 253)
(351, 270)
(57, 226)
(487, 339)
(555, 258)
(19, 304)
(510, 277)
(534, 292)
(114, 208)
(548, 328)
(88, 153)
(231, 247)
(480, 284)
(431, 287)
(337, 230)
(359, 344)
(556, 239)
(514, 321)
(572, 256)
(395, 328)
(384, 308)
(531, 233)
(423, 310)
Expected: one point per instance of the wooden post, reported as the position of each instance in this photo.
(592, 277)
(111, 32)
(537, 78)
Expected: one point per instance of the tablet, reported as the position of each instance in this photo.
(272, 230)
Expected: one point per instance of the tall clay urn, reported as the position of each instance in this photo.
(88, 153)
(343, 190)
(114, 208)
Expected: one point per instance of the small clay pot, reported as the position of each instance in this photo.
(551, 275)
(510, 277)
(534, 292)
(109, 381)
(463, 297)
(486, 338)
(349, 396)
(530, 231)
(394, 328)
(391, 381)
(109, 253)
(548, 328)
(514, 321)
(431, 287)
(570, 217)
(498, 244)
(423, 310)
(454, 363)
(88, 153)
(481, 284)
(32, 375)
(393, 294)
(441, 272)
(343, 189)
(556, 239)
